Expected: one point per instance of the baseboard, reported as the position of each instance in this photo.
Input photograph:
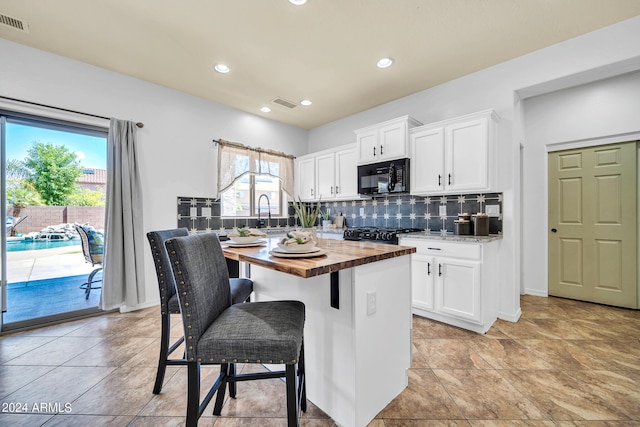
(126, 309)
(536, 292)
(511, 317)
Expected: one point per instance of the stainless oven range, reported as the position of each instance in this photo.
(376, 234)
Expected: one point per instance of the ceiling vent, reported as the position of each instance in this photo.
(15, 23)
(284, 102)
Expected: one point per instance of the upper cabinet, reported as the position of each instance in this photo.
(384, 141)
(454, 156)
(328, 175)
(305, 177)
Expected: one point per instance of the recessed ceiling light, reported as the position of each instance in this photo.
(305, 102)
(221, 68)
(384, 62)
(298, 2)
(265, 109)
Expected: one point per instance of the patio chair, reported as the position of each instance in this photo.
(218, 332)
(241, 290)
(92, 249)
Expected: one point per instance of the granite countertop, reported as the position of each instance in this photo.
(340, 254)
(452, 237)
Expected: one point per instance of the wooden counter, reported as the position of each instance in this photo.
(341, 254)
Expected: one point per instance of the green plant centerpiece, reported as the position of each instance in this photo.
(307, 212)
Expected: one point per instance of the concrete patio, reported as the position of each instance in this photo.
(46, 282)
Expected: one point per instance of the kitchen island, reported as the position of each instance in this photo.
(358, 320)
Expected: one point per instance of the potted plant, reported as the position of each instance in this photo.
(307, 213)
(325, 219)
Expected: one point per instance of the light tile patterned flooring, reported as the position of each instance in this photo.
(565, 363)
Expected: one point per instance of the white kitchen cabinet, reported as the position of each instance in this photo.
(346, 174)
(325, 175)
(454, 156)
(328, 175)
(306, 177)
(455, 282)
(384, 141)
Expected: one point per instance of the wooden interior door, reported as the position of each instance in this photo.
(593, 224)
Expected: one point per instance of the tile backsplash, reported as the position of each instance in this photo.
(403, 211)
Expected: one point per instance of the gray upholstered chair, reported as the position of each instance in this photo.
(241, 290)
(218, 332)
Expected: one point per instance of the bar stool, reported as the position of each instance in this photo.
(218, 332)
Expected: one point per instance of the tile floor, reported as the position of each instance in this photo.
(565, 363)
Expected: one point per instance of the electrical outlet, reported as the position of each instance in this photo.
(193, 212)
(206, 212)
(492, 210)
(443, 210)
(362, 212)
(371, 302)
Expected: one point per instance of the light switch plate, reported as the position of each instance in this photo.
(371, 303)
(193, 212)
(492, 210)
(206, 212)
(443, 210)
(362, 212)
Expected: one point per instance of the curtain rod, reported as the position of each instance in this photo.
(221, 141)
(139, 124)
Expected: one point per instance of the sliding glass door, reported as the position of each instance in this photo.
(53, 176)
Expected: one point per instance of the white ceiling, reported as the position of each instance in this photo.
(325, 50)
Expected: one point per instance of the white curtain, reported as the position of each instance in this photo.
(123, 264)
(236, 160)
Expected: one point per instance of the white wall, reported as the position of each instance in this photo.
(601, 112)
(177, 156)
(603, 53)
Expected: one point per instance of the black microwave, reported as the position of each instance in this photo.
(384, 178)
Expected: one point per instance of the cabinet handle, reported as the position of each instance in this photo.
(332, 189)
(374, 151)
(434, 249)
(428, 269)
(311, 192)
(336, 189)
(449, 179)
(439, 269)
(554, 230)
(381, 149)
(439, 180)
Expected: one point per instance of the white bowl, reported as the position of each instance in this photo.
(246, 239)
(304, 247)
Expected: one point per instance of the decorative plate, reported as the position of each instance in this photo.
(231, 244)
(312, 253)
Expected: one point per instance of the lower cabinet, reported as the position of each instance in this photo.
(455, 282)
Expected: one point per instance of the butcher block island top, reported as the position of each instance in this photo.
(339, 255)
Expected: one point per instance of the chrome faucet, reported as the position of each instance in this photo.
(260, 223)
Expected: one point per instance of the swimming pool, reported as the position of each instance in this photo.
(30, 245)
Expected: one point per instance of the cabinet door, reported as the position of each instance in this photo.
(307, 176)
(458, 289)
(325, 175)
(422, 274)
(427, 161)
(346, 173)
(393, 141)
(467, 156)
(367, 145)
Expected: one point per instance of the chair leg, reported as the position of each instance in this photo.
(193, 394)
(164, 352)
(224, 368)
(302, 380)
(292, 398)
(232, 384)
(87, 286)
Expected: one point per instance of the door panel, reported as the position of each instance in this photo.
(593, 224)
(571, 262)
